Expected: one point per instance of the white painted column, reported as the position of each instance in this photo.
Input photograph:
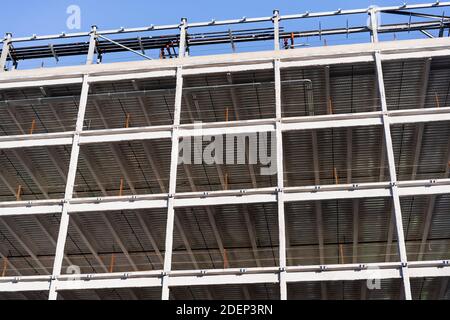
(393, 179)
(172, 186)
(373, 24)
(5, 51)
(92, 45)
(391, 159)
(280, 183)
(183, 40)
(65, 217)
(174, 166)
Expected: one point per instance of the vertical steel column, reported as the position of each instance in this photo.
(280, 183)
(391, 160)
(5, 51)
(92, 45)
(280, 169)
(65, 217)
(183, 40)
(174, 167)
(373, 24)
(393, 178)
(276, 28)
(172, 186)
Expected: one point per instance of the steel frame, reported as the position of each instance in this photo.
(306, 15)
(138, 44)
(282, 274)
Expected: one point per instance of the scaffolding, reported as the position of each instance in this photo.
(295, 109)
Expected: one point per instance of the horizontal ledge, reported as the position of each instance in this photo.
(225, 279)
(25, 83)
(31, 209)
(419, 115)
(24, 286)
(198, 199)
(119, 135)
(228, 69)
(146, 279)
(390, 50)
(36, 140)
(344, 275)
(229, 128)
(108, 284)
(131, 76)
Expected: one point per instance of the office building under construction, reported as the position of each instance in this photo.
(351, 109)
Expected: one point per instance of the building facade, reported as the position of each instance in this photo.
(289, 173)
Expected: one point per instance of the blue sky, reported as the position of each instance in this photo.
(49, 16)
(46, 17)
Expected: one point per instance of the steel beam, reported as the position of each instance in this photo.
(233, 127)
(276, 28)
(342, 272)
(64, 223)
(373, 24)
(397, 50)
(172, 185)
(393, 179)
(280, 183)
(172, 200)
(261, 195)
(28, 286)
